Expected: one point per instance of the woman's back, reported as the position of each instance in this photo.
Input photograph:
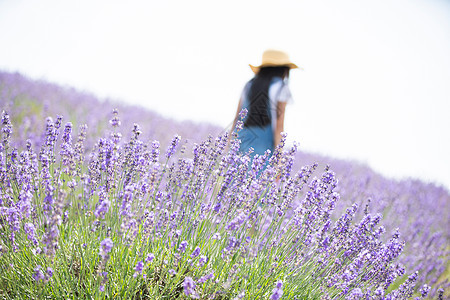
(265, 97)
(261, 119)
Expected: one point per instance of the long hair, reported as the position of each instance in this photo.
(258, 95)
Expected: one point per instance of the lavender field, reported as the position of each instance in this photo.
(101, 200)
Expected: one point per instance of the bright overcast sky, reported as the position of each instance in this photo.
(375, 85)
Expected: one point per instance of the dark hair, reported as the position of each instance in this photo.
(258, 96)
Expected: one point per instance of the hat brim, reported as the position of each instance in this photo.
(256, 69)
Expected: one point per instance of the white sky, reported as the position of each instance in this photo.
(375, 85)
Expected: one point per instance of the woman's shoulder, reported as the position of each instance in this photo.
(280, 90)
(277, 83)
(248, 84)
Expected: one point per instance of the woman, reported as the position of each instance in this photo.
(265, 97)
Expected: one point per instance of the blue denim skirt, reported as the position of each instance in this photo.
(259, 138)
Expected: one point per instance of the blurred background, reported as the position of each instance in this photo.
(375, 85)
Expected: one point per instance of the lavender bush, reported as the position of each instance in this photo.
(114, 214)
(420, 210)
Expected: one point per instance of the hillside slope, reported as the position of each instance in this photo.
(420, 210)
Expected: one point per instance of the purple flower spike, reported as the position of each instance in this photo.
(102, 205)
(205, 278)
(7, 128)
(172, 272)
(356, 294)
(38, 274)
(277, 292)
(182, 246)
(150, 257)
(196, 252)
(425, 290)
(155, 151)
(105, 247)
(243, 113)
(171, 149)
(30, 230)
(202, 261)
(49, 272)
(139, 267)
(440, 293)
(189, 288)
(115, 121)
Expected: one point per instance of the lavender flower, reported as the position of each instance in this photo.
(189, 288)
(115, 121)
(102, 205)
(38, 274)
(441, 294)
(150, 257)
(171, 149)
(138, 268)
(172, 272)
(243, 113)
(202, 260)
(205, 278)
(67, 134)
(425, 290)
(104, 281)
(196, 252)
(241, 295)
(7, 129)
(127, 200)
(155, 151)
(355, 294)
(49, 273)
(50, 238)
(30, 230)
(105, 247)
(182, 246)
(67, 151)
(277, 292)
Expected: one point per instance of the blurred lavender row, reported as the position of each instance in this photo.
(29, 102)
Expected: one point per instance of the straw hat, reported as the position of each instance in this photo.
(274, 58)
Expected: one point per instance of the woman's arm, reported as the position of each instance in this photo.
(279, 127)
